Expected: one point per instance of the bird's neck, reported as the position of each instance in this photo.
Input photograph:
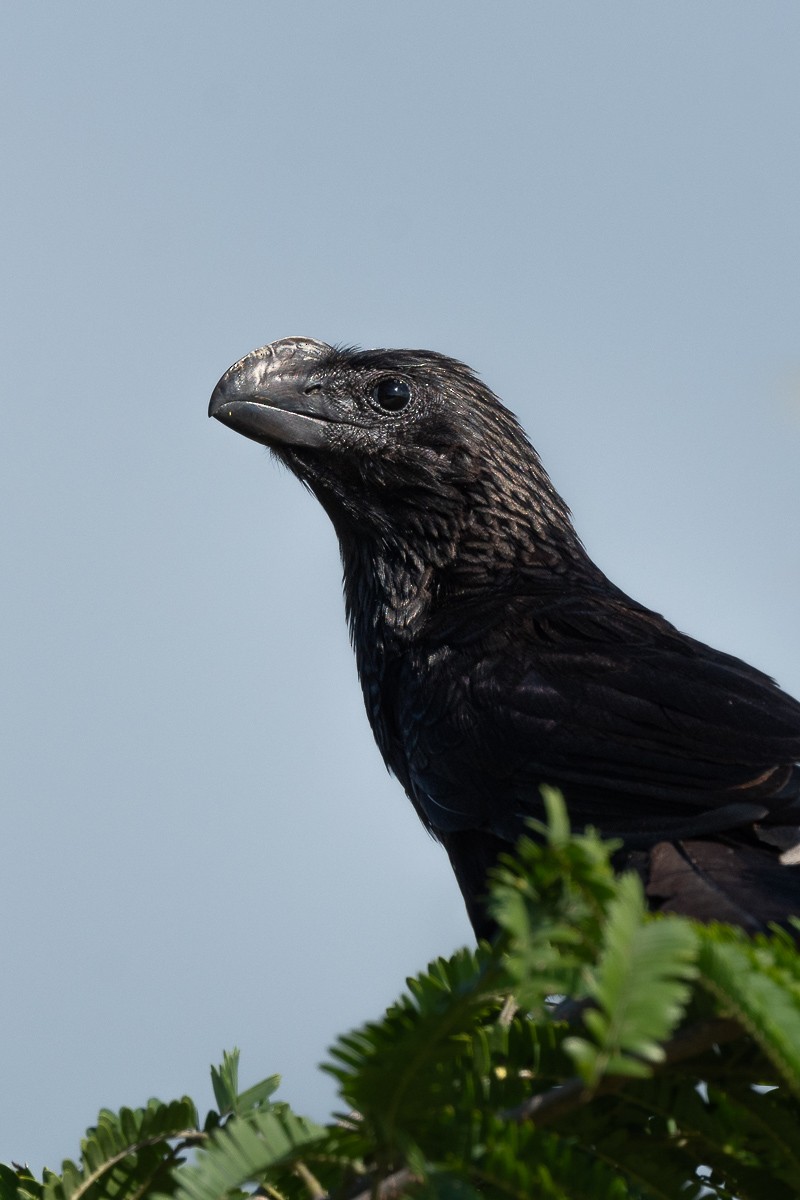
(402, 586)
(388, 594)
(395, 584)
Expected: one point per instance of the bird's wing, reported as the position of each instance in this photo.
(645, 730)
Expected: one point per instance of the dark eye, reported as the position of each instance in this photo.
(391, 394)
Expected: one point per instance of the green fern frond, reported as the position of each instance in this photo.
(466, 1087)
(550, 900)
(762, 1130)
(517, 1163)
(244, 1151)
(757, 981)
(19, 1184)
(225, 1082)
(666, 1122)
(396, 1070)
(640, 987)
(126, 1154)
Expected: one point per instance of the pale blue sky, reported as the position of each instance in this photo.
(595, 205)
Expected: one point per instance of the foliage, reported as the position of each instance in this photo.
(672, 1069)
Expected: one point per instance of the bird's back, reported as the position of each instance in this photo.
(684, 753)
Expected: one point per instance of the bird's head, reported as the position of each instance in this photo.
(400, 446)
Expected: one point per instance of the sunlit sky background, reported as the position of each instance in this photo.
(596, 205)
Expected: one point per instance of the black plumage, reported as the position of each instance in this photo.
(494, 656)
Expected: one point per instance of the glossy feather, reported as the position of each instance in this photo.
(495, 657)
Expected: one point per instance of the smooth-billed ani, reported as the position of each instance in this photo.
(494, 656)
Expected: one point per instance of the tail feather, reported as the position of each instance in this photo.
(722, 880)
(731, 878)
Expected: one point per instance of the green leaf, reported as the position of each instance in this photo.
(520, 1162)
(441, 1082)
(556, 829)
(550, 900)
(257, 1096)
(397, 1071)
(243, 1151)
(757, 981)
(761, 1128)
(640, 987)
(19, 1184)
(225, 1081)
(126, 1154)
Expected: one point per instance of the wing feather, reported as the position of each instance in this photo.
(646, 731)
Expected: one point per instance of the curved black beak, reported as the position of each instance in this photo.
(268, 395)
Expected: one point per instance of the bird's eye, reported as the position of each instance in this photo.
(391, 394)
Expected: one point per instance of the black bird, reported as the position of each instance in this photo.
(494, 656)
